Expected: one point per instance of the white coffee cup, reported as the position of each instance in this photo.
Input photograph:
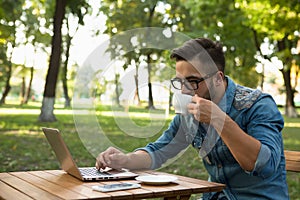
(180, 103)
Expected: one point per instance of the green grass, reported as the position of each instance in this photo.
(24, 147)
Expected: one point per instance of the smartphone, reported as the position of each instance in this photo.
(115, 187)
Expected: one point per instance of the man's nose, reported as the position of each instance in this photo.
(185, 90)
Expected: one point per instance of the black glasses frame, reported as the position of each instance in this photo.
(188, 84)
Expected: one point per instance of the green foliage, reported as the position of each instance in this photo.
(279, 21)
(128, 15)
(34, 29)
(79, 8)
(10, 13)
(276, 19)
(220, 20)
(243, 74)
(10, 10)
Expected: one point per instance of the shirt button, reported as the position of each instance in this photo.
(219, 166)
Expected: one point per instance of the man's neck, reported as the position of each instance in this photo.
(221, 91)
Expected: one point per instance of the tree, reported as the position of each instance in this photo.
(3, 65)
(68, 41)
(33, 18)
(279, 21)
(47, 108)
(28, 28)
(10, 12)
(77, 7)
(125, 15)
(221, 21)
(23, 91)
(244, 28)
(75, 12)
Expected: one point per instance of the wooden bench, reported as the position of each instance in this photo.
(292, 159)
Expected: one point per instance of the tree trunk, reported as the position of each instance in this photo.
(66, 94)
(64, 75)
(47, 114)
(290, 110)
(22, 93)
(6, 91)
(136, 81)
(150, 101)
(47, 110)
(9, 73)
(117, 90)
(7, 87)
(28, 91)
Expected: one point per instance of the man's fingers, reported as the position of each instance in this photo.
(101, 161)
(195, 98)
(112, 157)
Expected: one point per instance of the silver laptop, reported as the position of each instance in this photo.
(83, 173)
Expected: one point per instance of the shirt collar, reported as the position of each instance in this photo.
(227, 99)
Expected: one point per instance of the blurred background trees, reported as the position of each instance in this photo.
(255, 35)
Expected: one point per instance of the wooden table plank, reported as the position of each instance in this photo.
(27, 188)
(292, 159)
(211, 186)
(135, 193)
(292, 155)
(48, 186)
(161, 190)
(180, 187)
(71, 183)
(7, 192)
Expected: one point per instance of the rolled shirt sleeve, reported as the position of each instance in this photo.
(168, 145)
(266, 123)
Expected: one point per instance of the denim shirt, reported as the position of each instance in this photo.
(256, 113)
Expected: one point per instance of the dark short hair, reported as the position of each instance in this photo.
(202, 50)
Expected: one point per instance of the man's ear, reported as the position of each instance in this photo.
(219, 78)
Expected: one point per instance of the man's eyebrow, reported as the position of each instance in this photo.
(192, 77)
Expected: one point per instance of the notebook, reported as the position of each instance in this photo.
(68, 164)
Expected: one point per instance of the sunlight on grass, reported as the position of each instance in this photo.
(16, 111)
(30, 111)
(291, 141)
(292, 124)
(135, 115)
(24, 132)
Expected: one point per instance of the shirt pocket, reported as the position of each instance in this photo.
(240, 179)
(225, 155)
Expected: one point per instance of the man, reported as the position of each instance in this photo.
(237, 130)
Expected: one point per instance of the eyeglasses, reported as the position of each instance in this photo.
(192, 84)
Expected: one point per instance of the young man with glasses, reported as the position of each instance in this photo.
(237, 130)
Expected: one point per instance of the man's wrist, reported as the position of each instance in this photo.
(220, 120)
(138, 160)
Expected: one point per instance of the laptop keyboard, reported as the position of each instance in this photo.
(93, 172)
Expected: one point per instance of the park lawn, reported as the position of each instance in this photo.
(24, 147)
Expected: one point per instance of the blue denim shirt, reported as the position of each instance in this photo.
(256, 113)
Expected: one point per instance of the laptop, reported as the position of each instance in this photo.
(68, 164)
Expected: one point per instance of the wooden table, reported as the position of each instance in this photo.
(56, 184)
(292, 159)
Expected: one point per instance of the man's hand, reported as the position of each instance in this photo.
(204, 110)
(112, 158)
